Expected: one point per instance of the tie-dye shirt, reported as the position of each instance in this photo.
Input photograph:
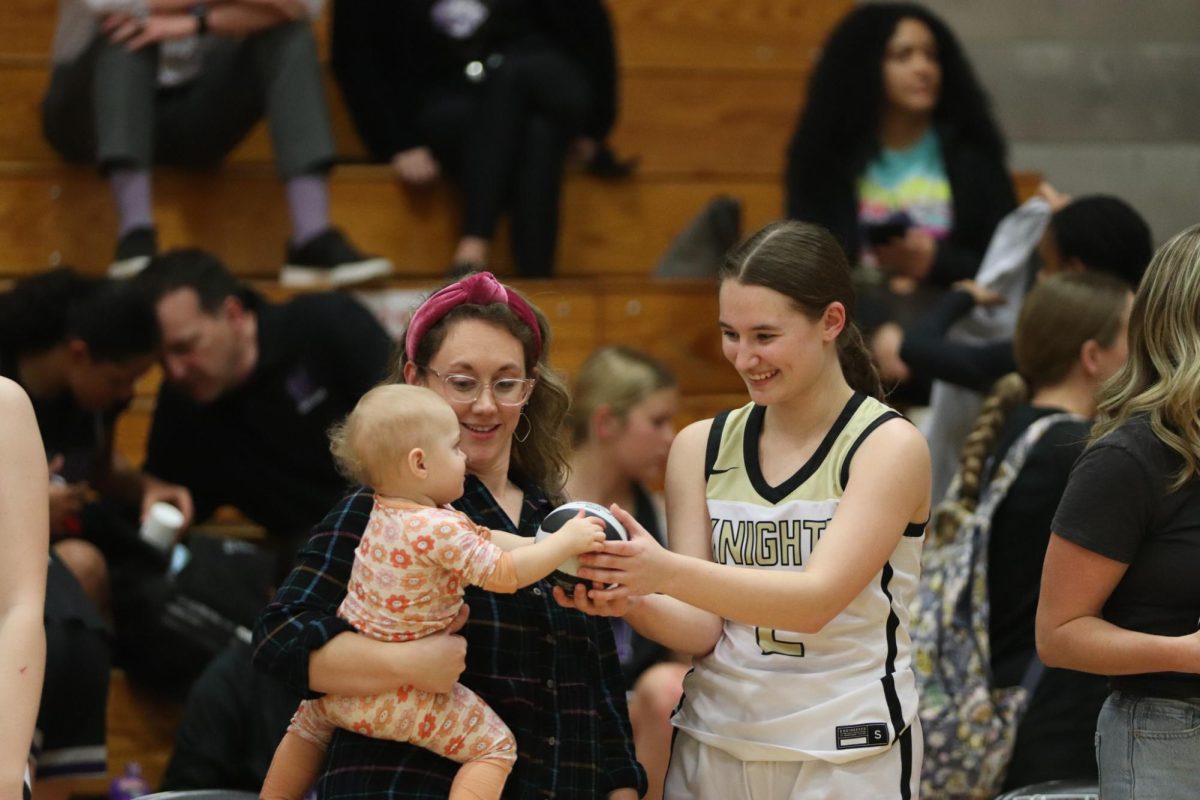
(911, 183)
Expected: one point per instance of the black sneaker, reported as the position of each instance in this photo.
(328, 260)
(134, 251)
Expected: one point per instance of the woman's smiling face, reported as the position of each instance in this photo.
(487, 352)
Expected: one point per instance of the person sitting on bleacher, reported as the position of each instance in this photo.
(494, 93)
(138, 82)
(896, 152)
(622, 421)
(77, 345)
(250, 389)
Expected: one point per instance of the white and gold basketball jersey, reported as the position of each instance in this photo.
(765, 694)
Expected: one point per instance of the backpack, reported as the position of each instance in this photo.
(171, 622)
(969, 725)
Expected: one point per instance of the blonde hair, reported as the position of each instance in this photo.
(1161, 378)
(1058, 317)
(1062, 313)
(386, 424)
(617, 377)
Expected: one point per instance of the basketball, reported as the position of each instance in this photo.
(565, 575)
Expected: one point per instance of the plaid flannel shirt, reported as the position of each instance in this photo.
(551, 673)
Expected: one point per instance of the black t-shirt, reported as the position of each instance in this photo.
(1055, 735)
(263, 447)
(1021, 533)
(1119, 504)
(83, 438)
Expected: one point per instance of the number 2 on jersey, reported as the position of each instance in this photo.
(773, 641)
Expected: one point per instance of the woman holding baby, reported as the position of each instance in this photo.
(550, 673)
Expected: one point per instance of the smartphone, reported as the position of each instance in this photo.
(883, 232)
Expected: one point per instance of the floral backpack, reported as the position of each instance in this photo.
(969, 725)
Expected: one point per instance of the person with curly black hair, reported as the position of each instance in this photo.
(896, 150)
(78, 345)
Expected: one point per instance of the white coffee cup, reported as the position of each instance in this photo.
(161, 525)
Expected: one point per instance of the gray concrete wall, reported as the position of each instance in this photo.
(1097, 95)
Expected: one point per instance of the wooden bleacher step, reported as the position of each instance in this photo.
(732, 71)
(676, 122)
(59, 214)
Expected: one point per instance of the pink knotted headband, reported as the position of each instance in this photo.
(481, 289)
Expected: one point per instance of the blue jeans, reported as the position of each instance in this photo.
(1148, 748)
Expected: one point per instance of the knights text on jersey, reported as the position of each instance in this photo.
(765, 694)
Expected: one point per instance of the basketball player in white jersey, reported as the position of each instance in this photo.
(796, 525)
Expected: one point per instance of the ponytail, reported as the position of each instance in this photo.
(1007, 393)
(857, 365)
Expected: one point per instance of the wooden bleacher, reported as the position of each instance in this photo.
(709, 91)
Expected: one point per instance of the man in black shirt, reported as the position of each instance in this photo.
(251, 388)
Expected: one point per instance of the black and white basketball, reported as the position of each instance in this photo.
(565, 575)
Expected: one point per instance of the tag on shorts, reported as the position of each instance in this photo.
(870, 734)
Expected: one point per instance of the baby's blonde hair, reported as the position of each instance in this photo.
(386, 424)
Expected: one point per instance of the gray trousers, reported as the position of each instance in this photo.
(1147, 747)
(106, 107)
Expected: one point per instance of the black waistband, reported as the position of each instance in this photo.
(1166, 686)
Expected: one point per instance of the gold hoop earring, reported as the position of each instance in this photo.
(528, 422)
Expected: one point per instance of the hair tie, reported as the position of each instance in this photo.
(480, 288)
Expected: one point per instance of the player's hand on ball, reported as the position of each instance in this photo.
(640, 565)
(580, 600)
(581, 535)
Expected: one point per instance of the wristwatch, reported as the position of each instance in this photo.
(200, 12)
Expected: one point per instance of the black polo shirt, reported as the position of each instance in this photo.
(262, 447)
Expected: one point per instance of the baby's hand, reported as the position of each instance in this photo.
(581, 535)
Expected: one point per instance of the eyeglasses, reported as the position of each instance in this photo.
(466, 389)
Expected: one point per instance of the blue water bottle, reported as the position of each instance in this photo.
(129, 785)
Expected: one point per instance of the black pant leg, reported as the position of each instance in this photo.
(541, 84)
(537, 189)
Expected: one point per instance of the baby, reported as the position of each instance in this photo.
(407, 582)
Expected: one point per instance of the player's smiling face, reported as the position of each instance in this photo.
(778, 351)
